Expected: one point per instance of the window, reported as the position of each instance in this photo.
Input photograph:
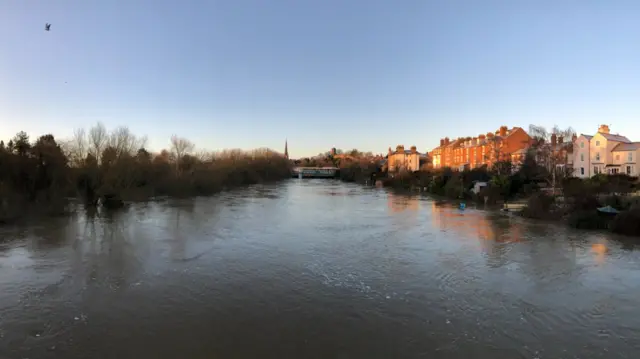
(597, 156)
(582, 157)
(630, 157)
(581, 144)
(582, 170)
(595, 170)
(597, 143)
(617, 157)
(629, 170)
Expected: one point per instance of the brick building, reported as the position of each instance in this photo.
(485, 149)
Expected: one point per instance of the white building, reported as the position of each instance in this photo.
(402, 159)
(605, 153)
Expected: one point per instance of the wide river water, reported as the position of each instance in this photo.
(315, 269)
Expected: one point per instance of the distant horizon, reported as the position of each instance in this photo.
(346, 74)
(64, 139)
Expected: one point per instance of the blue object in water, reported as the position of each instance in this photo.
(608, 210)
(462, 205)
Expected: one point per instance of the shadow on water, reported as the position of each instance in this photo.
(314, 269)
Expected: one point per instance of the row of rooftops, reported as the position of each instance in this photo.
(400, 149)
(502, 132)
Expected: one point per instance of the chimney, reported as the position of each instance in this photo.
(446, 141)
(390, 151)
(474, 141)
(481, 137)
(603, 129)
(414, 149)
(490, 135)
(554, 139)
(442, 142)
(503, 131)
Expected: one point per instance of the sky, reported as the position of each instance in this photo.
(365, 74)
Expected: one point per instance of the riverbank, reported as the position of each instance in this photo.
(576, 202)
(39, 178)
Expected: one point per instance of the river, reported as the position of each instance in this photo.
(314, 269)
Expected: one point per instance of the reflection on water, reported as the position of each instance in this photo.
(405, 209)
(314, 269)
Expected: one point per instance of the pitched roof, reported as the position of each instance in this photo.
(616, 138)
(632, 146)
(455, 143)
(406, 152)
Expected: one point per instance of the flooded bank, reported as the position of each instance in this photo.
(314, 269)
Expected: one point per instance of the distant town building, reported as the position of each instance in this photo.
(401, 159)
(605, 153)
(286, 149)
(485, 149)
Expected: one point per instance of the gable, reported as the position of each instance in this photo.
(599, 137)
(584, 138)
(517, 130)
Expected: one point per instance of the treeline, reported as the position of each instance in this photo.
(108, 168)
(504, 182)
(338, 158)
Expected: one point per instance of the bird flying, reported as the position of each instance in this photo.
(47, 26)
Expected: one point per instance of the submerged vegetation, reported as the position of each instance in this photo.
(108, 168)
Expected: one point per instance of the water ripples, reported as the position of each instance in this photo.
(315, 269)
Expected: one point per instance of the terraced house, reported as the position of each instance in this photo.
(605, 153)
(485, 149)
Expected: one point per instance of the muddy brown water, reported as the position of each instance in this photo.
(315, 269)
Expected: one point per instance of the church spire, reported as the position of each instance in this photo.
(286, 149)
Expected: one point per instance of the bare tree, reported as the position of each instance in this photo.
(500, 160)
(125, 142)
(203, 156)
(551, 150)
(98, 140)
(180, 147)
(77, 147)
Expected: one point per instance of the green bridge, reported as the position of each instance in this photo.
(315, 172)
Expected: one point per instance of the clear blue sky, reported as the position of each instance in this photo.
(367, 74)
